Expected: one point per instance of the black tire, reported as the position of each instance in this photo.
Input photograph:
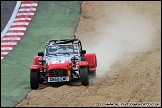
(84, 76)
(34, 80)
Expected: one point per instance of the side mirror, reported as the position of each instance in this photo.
(83, 52)
(41, 54)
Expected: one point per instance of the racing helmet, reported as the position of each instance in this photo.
(52, 49)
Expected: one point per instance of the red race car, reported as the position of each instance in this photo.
(62, 61)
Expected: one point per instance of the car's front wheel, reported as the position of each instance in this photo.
(34, 79)
(84, 75)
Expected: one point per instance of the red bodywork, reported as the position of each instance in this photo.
(36, 65)
(91, 62)
(66, 65)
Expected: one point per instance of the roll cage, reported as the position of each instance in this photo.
(65, 41)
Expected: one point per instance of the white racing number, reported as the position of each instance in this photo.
(58, 79)
(57, 62)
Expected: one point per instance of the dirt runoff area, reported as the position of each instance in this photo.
(126, 36)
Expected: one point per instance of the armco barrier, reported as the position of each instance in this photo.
(18, 27)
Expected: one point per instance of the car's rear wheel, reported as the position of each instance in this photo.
(34, 79)
(84, 76)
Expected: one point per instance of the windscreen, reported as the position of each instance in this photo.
(62, 48)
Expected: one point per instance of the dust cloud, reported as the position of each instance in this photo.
(124, 34)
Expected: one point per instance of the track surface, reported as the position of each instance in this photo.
(135, 80)
(7, 8)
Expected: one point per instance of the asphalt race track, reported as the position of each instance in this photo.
(7, 8)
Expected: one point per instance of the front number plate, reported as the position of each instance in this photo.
(58, 79)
